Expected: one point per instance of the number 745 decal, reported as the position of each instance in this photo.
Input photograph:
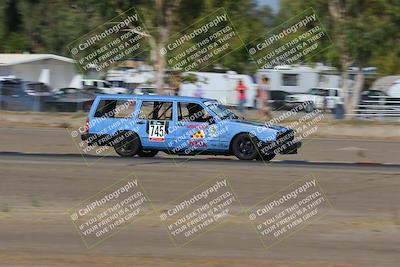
(157, 131)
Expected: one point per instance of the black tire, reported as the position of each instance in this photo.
(128, 146)
(309, 107)
(266, 157)
(244, 147)
(147, 153)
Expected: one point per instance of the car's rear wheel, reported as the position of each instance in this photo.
(147, 153)
(309, 107)
(244, 147)
(128, 146)
(265, 157)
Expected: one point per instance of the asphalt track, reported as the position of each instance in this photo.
(59, 141)
(201, 161)
(40, 182)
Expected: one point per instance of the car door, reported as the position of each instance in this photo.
(112, 116)
(196, 129)
(155, 124)
(331, 98)
(18, 100)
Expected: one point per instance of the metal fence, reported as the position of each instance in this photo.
(379, 108)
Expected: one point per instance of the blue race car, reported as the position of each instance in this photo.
(146, 124)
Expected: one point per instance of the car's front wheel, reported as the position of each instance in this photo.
(128, 146)
(244, 147)
(147, 153)
(309, 107)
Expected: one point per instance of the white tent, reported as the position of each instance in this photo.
(56, 71)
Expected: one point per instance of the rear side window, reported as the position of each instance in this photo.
(289, 79)
(156, 110)
(115, 109)
(38, 87)
(10, 88)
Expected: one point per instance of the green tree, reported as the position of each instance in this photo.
(363, 33)
(43, 26)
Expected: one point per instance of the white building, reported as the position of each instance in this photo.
(56, 71)
(299, 79)
(132, 77)
(220, 86)
(389, 84)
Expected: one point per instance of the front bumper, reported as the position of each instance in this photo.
(290, 148)
(285, 143)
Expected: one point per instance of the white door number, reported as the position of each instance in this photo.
(156, 131)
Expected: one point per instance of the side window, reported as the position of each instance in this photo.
(146, 110)
(95, 84)
(156, 110)
(289, 79)
(192, 112)
(9, 88)
(5, 90)
(376, 93)
(124, 109)
(115, 109)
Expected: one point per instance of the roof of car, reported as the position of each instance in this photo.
(155, 97)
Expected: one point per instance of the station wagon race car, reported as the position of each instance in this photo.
(143, 125)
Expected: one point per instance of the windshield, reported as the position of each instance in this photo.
(37, 87)
(221, 111)
(317, 91)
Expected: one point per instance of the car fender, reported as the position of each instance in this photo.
(260, 131)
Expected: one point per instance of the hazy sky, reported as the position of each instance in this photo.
(272, 3)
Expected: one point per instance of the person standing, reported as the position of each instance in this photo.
(241, 89)
(199, 92)
(264, 97)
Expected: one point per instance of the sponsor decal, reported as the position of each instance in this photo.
(199, 134)
(212, 131)
(194, 126)
(197, 143)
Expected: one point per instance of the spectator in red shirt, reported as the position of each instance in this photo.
(241, 89)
